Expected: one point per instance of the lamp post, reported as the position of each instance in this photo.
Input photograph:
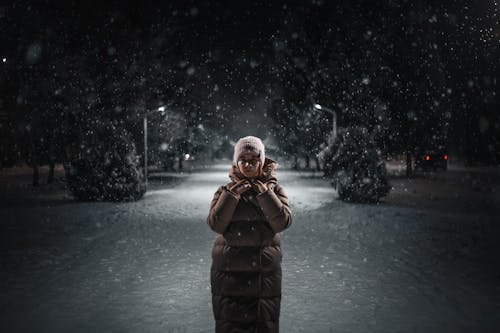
(334, 114)
(145, 121)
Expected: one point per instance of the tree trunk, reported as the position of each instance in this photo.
(295, 162)
(318, 167)
(34, 164)
(36, 174)
(66, 151)
(180, 163)
(308, 162)
(409, 170)
(50, 178)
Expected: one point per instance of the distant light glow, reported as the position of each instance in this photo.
(186, 157)
(161, 109)
(317, 106)
(427, 158)
(445, 157)
(4, 60)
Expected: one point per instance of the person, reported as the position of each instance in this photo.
(248, 215)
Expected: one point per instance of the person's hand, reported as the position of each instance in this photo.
(259, 186)
(240, 187)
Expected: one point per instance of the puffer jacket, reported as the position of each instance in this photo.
(245, 273)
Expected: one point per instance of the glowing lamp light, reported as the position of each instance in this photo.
(445, 157)
(186, 157)
(427, 158)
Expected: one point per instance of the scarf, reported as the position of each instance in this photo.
(268, 172)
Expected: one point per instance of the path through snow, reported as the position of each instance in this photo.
(426, 259)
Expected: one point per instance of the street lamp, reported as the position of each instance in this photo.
(161, 109)
(334, 114)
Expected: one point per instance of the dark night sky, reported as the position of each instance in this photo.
(229, 43)
(235, 35)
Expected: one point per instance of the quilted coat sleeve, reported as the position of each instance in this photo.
(221, 209)
(274, 204)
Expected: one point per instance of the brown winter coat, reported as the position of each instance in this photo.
(246, 256)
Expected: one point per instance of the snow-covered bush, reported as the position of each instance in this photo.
(355, 167)
(106, 168)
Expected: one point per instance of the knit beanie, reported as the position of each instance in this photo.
(249, 144)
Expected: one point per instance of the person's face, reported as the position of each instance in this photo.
(249, 164)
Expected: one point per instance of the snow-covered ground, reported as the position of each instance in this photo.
(426, 259)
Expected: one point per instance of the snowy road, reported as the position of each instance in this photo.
(424, 260)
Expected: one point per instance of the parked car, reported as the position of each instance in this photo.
(431, 159)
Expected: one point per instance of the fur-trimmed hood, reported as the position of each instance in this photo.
(268, 175)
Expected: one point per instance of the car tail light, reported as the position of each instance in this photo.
(445, 157)
(427, 158)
